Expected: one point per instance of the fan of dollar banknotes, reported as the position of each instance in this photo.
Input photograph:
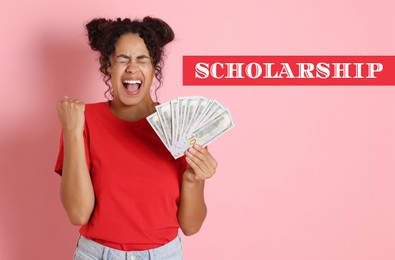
(182, 122)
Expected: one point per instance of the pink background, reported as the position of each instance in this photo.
(307, 173)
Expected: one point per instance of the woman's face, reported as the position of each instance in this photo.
(131, 71)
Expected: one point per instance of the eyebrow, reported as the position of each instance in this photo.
(143, 57)
(123, 56)
(128, 57)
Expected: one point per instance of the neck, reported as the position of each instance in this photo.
(132, 112)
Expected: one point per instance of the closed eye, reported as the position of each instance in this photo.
(123, 58)
(143, 59)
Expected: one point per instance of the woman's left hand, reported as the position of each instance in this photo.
(201, 164)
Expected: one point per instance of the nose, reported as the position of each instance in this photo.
(132, 67)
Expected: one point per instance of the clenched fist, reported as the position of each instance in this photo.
(71, 114)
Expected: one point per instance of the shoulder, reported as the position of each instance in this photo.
(99, 106)
(96, 111)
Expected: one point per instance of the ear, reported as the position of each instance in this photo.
(109, 68)
(103, 63)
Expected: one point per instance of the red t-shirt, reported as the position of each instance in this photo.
(136, 182)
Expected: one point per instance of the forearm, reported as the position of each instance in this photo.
(77, 193)
(192, 210)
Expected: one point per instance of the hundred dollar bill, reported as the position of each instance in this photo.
(187, 109)
(211, 130)
(193, 105)
(174, 124)
(154, 121)
(184, 121)
(164, 114)
(203, 106)
(183, 106)
(215, 109)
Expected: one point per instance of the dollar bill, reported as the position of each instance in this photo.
(174, 115)
(215, 109)
(203, 106)
(165, 117)
(156, 125)
(182, 122)
(210, 131)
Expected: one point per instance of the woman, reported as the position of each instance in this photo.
(119, 182)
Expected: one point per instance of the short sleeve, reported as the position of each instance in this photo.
(59, 161)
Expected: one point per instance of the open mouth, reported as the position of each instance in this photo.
(132, 85)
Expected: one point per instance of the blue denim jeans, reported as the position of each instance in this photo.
(91, 250)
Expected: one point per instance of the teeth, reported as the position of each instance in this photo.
(132, 81)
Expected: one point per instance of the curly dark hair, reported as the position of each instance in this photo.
(104, 33)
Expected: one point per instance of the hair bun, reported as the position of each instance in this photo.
(97, 29)
(162, 30)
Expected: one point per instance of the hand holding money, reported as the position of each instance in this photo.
(202, 164)
(183, 122)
